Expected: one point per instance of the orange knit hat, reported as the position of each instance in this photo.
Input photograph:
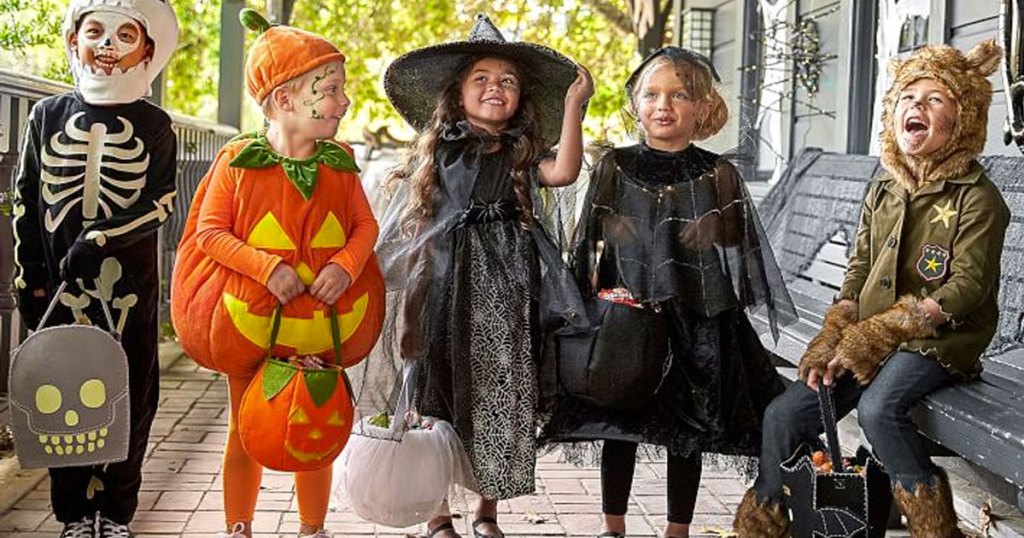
(282, 53)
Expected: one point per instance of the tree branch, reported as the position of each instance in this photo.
(616, 16)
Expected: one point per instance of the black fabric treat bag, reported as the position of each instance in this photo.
(621, 362)
(841, 503)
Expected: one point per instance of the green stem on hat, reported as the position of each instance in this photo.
(252, 20)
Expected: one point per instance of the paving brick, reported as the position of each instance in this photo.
(182, 489)
(158, 527)
(23, 520)
(179, 500)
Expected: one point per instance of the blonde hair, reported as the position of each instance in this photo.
(699, 84)
(291, 86)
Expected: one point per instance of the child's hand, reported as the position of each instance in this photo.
(285, 283)
(828, 375)
(582, 88)
(330, 283)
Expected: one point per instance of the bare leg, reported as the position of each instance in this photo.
(613, 523)
(487, 508)
(677, 530)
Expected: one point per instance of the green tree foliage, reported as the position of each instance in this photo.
(30, 38)
(371, 33)
(190, 81)
(375, 32)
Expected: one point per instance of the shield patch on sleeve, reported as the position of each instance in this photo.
(933, 263)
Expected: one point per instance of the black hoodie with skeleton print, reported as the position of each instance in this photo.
(97, 181)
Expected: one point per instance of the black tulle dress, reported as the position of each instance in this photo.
(679, 232)
(470, 291)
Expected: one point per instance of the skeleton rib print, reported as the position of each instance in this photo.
(94, 167)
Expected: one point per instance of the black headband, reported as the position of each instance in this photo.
(675, 54)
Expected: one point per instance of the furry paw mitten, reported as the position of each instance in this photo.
(929, 511)
(760, 520)
(822, 348)
(866, 344)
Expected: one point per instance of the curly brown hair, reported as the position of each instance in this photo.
(418, 165)
(701, 86)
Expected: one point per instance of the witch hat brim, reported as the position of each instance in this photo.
(414, 81)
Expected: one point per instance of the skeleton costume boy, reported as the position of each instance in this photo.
(95, 181)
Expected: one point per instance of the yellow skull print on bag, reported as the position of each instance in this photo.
(69, 397)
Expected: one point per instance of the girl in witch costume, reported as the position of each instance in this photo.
(669, 227)
(470, 269)
(919, 303)
(95, 181)
(280, 219)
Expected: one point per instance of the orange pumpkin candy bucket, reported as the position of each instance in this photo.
(296, 418)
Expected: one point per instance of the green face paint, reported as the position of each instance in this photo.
(317, 96)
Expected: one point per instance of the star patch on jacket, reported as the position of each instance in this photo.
(945, 213)
(933, 263)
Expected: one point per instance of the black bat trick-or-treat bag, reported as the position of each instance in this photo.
(834, 497)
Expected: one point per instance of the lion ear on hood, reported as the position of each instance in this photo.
(895, 65)
(984, 57)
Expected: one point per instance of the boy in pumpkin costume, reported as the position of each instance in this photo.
(918, 305)
(281, 218)
(95, 181)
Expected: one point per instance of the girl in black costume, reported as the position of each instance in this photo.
(470, 272)
(669, 227)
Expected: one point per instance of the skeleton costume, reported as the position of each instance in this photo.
(95, 181)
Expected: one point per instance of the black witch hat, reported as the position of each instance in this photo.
(414, 81)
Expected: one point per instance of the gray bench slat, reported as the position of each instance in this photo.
(810, 309)
(835, 253)
(1002, 374)
(825, 273)
(812, 289)
(985, 431)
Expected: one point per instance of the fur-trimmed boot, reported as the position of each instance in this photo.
(929, 511)
(866, 344)
(760, 520)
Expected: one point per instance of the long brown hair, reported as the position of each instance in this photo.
(418, 166)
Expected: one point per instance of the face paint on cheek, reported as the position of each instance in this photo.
(946, 124)
(317, 95)
(109, 42)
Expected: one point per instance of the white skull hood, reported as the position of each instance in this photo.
(161, 25)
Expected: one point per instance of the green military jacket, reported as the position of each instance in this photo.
(944, 242)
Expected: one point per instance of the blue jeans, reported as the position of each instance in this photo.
(883, 410)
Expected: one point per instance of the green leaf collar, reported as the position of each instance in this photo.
(301, 172)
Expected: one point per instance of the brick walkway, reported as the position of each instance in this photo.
(181, 491)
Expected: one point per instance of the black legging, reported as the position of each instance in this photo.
(618, 461)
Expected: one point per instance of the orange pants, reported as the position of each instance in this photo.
(242, 475)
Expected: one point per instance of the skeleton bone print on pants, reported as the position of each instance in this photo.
(103, 178)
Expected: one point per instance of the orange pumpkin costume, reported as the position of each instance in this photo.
(254, 210)
(242, 224)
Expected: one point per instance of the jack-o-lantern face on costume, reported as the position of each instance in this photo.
(293, 420)
(223, 317)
